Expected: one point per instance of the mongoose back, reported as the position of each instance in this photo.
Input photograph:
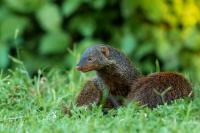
(159, 88)
(112, 66)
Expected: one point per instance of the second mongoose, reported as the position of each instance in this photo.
(159, 88)
(93, 93)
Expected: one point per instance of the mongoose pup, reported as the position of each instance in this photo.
(159, 88)
(112, 67)
(92, 92)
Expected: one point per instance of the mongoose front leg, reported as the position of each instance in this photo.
(114, 101)
(111, 102)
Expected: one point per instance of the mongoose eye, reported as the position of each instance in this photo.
(89, 59)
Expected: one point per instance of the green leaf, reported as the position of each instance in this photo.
(86, 27)
(148, 66)
(4, 51)
(154, 10)
(4, 12)
(9, 26)
(70, 6)
(144, 49)
(15, 60)
(165, 51)
(49, 17)
(53, 43)
(25, 6)
(128, 43)
(157, 65)
(128, 7)
(194, 62)
(191, 38)
(98, 4)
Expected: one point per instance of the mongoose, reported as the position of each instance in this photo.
(112, 67)
(124, 81)
(92, 92)
(159, 88)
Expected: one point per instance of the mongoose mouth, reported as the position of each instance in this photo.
(84, 69)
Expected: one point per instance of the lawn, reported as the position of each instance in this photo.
(35, 104)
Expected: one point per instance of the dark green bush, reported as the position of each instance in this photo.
(40, 32)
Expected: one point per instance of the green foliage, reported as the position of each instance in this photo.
(54, 43)
(166, 30)
(70, 6)
(49, 17)
(24, 6)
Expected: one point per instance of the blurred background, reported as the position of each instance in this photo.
(48, 33)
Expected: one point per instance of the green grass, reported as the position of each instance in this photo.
(36, 104)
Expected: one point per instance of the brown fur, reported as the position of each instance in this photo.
(147, 90)
(113, 68)
(92, 93)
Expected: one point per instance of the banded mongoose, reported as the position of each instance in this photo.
(112, 67)
(92, 92)
(124, 81)
(159, 88)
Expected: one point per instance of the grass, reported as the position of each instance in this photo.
(36, 104)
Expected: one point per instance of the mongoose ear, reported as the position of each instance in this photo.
(105, 51)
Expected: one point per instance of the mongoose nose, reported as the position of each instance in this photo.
(78, 68)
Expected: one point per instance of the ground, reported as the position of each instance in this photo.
(35, 104)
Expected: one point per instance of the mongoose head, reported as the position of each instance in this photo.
(94, 58)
